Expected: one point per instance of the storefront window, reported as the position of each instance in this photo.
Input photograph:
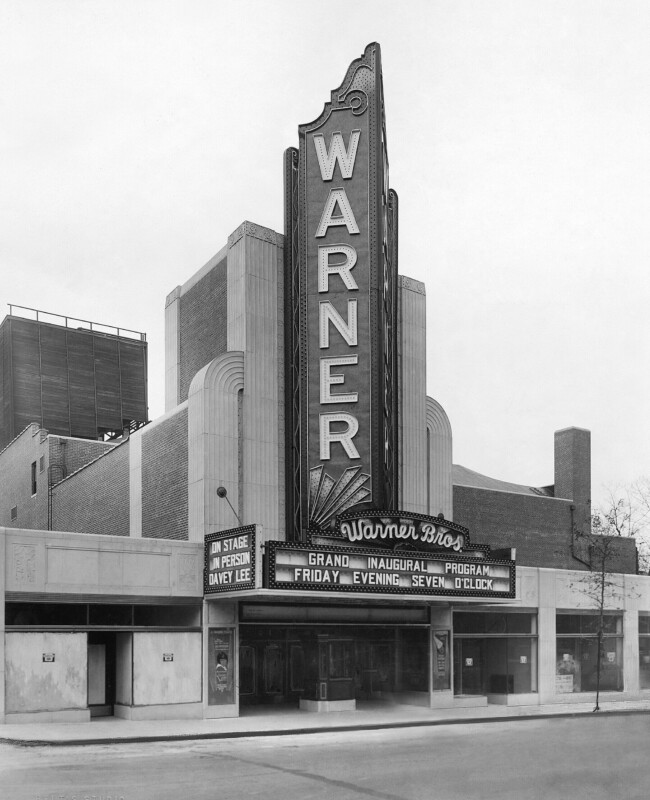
(495, 653)
(88, 615)
(576, 667)
(493, 624)
(644, 651)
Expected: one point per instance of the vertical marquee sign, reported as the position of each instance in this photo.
(340, 271)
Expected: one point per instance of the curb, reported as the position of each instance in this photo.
(373, 726)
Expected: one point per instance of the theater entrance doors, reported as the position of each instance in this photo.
(283, 664)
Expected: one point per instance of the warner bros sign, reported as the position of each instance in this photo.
(341, 306)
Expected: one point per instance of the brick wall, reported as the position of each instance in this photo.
(55, 456)
(67, 455)
(573, 466)
(16, 480)
(92, 491)
(95, 499)
(539, 527)
(202, 325)
(165, 479)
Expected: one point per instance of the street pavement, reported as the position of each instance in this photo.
(586, 757)
(283, 720)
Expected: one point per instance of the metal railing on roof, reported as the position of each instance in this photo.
(77, 324)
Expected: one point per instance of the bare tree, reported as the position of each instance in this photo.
(599, 585)
(640, 492)
(625, 514)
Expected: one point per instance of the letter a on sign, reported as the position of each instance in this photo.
(346, 217)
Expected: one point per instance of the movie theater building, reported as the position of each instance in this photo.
(292, 530)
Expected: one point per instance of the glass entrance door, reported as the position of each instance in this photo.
(271, 670)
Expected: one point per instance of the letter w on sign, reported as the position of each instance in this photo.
(337, 152)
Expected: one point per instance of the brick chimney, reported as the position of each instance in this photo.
(573, 469)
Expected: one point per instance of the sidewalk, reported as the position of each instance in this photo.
(272, 721)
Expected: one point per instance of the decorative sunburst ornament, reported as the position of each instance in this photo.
(328, 498)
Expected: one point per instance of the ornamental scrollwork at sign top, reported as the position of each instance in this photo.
(357, 101)
(355, 96)
(355, 91)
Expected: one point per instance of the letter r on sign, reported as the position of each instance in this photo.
(343, 269)
(344, 437)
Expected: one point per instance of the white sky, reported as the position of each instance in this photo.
(136, 136)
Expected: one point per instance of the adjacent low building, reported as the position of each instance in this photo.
(293, 530)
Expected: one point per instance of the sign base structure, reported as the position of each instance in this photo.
(352, 569)
(378, 552)
(391, 552)
(229, 560)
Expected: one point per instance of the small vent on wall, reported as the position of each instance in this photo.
(14, 513)
(41, 464)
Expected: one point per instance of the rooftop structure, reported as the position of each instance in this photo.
(70, 376)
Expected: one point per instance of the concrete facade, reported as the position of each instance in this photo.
(54, 688)
(236, 405)
(40, 568)
(551, 591)
(160, 484)
(149, 500)
(412, 400)
(439, 461)
(113, 603)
